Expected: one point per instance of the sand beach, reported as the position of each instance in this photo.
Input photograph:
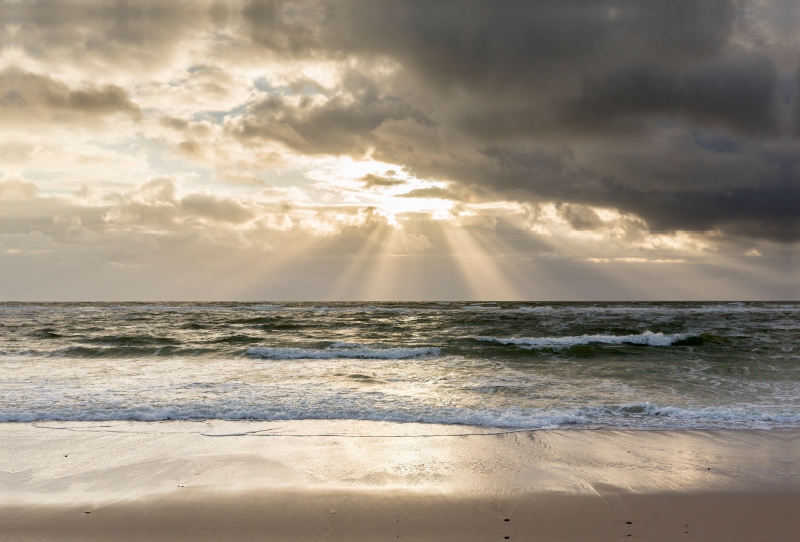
(360, 480)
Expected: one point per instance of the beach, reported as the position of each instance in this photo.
(399, 421)
(364, 270)
(362, 480)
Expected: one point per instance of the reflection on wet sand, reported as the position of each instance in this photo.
(368, 480)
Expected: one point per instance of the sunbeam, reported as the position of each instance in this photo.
(480, 270)
(361, 265)
(380, 283)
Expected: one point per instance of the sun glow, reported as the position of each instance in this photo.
(387, 188)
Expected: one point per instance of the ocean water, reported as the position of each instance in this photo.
(512, 365)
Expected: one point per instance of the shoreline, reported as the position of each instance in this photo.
(468, 428)
(212, 479)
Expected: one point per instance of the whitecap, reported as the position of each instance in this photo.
(648, 338)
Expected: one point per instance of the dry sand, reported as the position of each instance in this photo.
(316, 480)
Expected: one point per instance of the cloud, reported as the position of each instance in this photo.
(620, 131)
(13, 189)
(433, 192)
(155, 203)
(632, 260)
(534, 100)
(415, 243)
(371, 180)
(316, 124)
(33, 241)
(106, 37)
(571, 101)
(737, 93)
(581, 217)
(159, 203)
(31, 96)
(218, 208)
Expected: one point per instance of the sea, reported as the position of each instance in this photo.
(506, 365)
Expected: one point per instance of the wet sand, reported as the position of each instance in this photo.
(316, 480)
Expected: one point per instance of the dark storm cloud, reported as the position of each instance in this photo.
(772, 208)
(737, 93)
(527, 84)
(791, 97)
(494, 45)
(760, 201)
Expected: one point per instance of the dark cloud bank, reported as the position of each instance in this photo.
(682, 112)
(676, 111)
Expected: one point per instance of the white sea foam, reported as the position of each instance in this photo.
(341, 350)
(75, 363)
(510, 418)
(479, 307)
(526, 308)
(652, 415)
(635, 415)
(647, 338)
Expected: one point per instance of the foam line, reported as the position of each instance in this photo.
(648, 338)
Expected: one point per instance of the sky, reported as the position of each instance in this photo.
(400, 150)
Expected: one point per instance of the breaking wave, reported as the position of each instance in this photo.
(648, 338)
(628, 416)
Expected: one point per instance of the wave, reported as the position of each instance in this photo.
(342, 351)
(218, 347)
(652, 415)
(511, 418)
(111, 352)
(648, 338)
(481, 307)
(526, 308)
(629, 416)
